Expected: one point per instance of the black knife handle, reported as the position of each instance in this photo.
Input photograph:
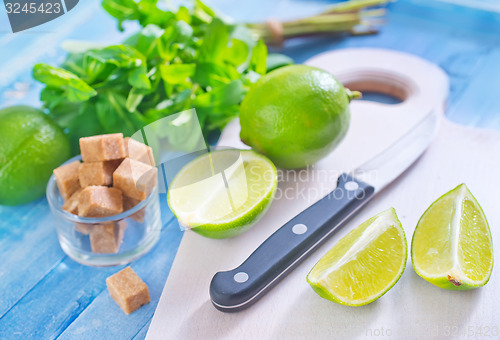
(237, 289)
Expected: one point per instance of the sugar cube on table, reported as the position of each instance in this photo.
(135, 179)
(97, 173)
(71, 204)
(102, 148)
(139, 151)
(107, 238)
(100, 201)
(67, 179)
(128, 290)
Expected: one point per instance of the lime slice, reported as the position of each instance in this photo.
(223, 193)
(451, 246)
(364, 264)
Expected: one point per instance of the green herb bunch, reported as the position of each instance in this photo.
(181, 59)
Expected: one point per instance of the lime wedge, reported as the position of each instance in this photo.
(223, 193)
(364, 264)
(451, 246)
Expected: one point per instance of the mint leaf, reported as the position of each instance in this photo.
(177, 73)
(259, 57)
(275, 60)
(215, 42)
(113, 115)
(123, 10)
(70, 86)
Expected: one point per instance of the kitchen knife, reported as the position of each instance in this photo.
(237, 289)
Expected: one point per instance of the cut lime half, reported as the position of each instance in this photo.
(451, 245)
(364, 264)
(223, 193)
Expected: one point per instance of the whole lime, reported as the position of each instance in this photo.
(31, 146)
(295, 115)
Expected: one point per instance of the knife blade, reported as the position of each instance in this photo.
(237, 289)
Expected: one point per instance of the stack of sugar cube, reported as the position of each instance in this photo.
(116, 174)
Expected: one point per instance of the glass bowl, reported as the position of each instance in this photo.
(106, 241)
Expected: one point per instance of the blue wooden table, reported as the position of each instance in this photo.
(44, 294)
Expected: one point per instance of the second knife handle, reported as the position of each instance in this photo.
(237, 289)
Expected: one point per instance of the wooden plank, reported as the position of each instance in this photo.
(103, 316)
(53, 301)
(143, 332)
(29, 245)
(480, 95)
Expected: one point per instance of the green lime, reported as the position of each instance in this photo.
(223, 193)
(295, 115)
(364, 264)
(451, 246)
(31, 146)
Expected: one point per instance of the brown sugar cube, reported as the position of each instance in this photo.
(139, 151)
(128, 290)
(67, 179)
(97, 173)
(99, 201)
(83, 228)
(71, 204)
(102, 148)
(135, 179)
(129, 203)
(107, 238)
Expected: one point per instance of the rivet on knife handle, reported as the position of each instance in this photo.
(237, 289)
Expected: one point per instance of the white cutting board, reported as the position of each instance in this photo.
(413, 308)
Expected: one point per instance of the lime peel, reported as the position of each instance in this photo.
(31, 146)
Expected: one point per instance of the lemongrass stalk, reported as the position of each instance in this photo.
(344, 17)
(372, 13)
(353, 6)
(324, 19)
(319, 28)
